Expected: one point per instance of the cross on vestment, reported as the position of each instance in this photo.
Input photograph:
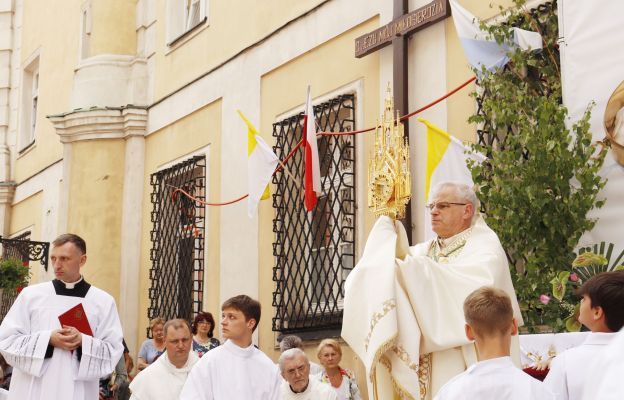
(396, 32)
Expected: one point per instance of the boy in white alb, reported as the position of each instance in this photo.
(490, 323)
(602, 311)
(236, 370)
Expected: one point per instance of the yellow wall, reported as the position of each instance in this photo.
(58, 58)
(114, 27)
(232, 26)
(94, 209)
(326, 69)
(174, 142)
(27, 214)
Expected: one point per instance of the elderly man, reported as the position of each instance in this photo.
(403, 305)
(295, 368)
(294, 342)
(165, 377)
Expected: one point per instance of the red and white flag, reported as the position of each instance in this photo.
(312, 181)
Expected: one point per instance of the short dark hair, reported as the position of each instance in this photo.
(245, 304)
(488, 311)
(606, 290)
(203, 316)
(176, 323)
(71, 238)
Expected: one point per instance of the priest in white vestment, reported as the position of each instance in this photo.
(165, 377)
(51, 361)
(403, 305)
(295, 369)
(236, 370)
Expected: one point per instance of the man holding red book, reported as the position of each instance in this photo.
(62, 336)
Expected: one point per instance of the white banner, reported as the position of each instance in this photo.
(592, 64)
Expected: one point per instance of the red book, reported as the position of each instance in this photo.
(77, 318)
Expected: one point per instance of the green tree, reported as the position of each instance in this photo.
(541, 177)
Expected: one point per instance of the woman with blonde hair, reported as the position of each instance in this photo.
(341, 380)
(152, 348)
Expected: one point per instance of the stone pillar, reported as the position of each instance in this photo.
(95, 130)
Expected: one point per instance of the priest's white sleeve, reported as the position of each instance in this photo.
(101, 352)
(21, 349)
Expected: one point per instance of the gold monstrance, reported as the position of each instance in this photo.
(389, 184)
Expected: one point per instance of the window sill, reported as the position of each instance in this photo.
(26, 149)
(187, 34)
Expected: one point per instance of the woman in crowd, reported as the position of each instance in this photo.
(342, 380)
(203, 327)
(152, 348)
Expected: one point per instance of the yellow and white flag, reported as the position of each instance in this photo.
(446, 161)
(261, 163)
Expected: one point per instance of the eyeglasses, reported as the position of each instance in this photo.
(202, 322)
(442, 205)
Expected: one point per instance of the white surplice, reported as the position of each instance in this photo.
(568, 371)
(605, 372)
(403, 307)
(316, 390)
(25, 335)
(230, 372)
(161, 380)
(495, 379)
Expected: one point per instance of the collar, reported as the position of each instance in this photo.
(75, 289)
(449, 241)
(599, 338)
(245, 352)
(190, 362)
(306, 390)
(491, 364)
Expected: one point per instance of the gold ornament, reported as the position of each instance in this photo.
(389, 183)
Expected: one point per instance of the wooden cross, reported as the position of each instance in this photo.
(396, 33)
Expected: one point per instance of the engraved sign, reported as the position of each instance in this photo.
(416, 20)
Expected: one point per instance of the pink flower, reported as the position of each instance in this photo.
(544, 299)
(574, 277)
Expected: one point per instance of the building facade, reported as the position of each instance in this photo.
(108, 106)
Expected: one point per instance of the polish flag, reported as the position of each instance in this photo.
(312, 182)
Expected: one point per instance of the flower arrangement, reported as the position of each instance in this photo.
(584, 266)
(14, 275)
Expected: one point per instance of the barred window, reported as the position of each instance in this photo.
(177, 254)
(314, 252)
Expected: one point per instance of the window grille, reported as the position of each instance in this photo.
(314, 252)
(177, 254)
(26, 250)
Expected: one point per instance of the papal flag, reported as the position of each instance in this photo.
(261, 164)
(482, 50)
(446, 161)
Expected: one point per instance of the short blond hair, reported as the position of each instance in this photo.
(488, 311)
(156, 321)
(333, 343)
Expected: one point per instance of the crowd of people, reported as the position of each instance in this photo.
(51, 351)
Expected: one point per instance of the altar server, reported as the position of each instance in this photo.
(602, 311)
(51, 361)
(237, 369)
(490, 323)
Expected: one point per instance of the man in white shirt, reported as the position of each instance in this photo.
(236, 370)
(490, 323)
(54, 361)
(295, 368)
(165, 377)
(602, 311)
